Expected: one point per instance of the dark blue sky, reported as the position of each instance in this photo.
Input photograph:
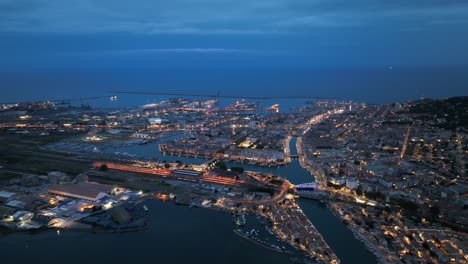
(107, 34)
(313, 47)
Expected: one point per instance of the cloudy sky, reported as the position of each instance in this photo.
(118, 34)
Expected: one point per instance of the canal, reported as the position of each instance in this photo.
(335, 233)
(180, 234)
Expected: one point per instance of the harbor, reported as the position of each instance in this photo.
(266, 240)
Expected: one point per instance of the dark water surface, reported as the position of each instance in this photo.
(178, 234)
(370, 85)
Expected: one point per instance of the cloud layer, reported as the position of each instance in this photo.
(149, 33)
(221, 17)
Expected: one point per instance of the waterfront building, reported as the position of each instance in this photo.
(82, 190)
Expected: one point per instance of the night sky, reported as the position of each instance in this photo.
(144, 35)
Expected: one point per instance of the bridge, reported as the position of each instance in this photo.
(310, 190)
(309, 186)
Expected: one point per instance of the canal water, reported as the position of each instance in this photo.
(180, 234)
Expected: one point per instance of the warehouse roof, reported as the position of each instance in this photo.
(82, 190)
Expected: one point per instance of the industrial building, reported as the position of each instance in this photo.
(83, 190)
(4, 196)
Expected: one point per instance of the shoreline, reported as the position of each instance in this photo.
(92, 230)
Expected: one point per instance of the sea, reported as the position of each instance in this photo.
(369, 85)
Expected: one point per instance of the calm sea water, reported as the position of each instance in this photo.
(371, 85)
